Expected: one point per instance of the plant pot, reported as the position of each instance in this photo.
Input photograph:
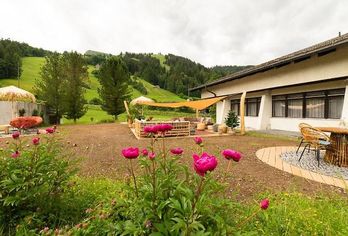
(215, 127)
(222, 129)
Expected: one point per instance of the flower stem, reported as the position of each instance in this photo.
(135, 182)
(154, 186)
(248, 219)
(195, 200)
(227, 170)
(164, 155)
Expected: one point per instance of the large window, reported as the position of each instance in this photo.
(252, 106)
(321, 104)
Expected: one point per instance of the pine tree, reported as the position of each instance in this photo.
(232, 119)
(113, 77)
(50, 88)
(76, 79)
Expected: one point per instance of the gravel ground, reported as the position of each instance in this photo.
(309, 162)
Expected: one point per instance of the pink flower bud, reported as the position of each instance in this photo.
(231, 154)
(264, 204)
(152, 156)
(16, 154)
(198, 140)
(176, 151)
(204, 163)
(145, 152)
(130, 153)
(50, 130)
(36, 141)
(16, 135)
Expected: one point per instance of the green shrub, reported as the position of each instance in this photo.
(232, 120)
(167, 198)
(32, 180)
(21, 112)
(35, 112)
(95, 101)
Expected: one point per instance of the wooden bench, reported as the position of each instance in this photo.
(180, 128)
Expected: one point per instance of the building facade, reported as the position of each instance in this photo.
(310, 85)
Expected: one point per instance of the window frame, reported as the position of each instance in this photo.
(327, 95)
(247, 102)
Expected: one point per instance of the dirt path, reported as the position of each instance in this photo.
(100, 148)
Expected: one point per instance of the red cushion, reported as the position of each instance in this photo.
(26, 122)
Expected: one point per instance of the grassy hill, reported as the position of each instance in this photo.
(31, 69)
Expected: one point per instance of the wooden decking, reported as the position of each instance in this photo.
(271, 156)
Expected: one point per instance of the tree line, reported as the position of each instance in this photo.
(10, 57)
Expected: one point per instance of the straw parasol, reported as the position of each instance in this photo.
(141, 100)
(12, 93)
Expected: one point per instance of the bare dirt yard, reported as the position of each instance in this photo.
(99, 147)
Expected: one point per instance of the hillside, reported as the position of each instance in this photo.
(31, 69)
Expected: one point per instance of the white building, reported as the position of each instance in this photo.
(310, 85)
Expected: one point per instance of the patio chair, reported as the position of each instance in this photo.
(300, 126)
(315, 138)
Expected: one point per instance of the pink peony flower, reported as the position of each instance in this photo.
(15, 154)
(16, 135)
(36, 141)
(231, 154)
(198, 140)
(130, 153)
(204, 163)
(176, 151)
(145, 152)
(50, 130)
(264, 204)
(151, 129)
(164, 127)
(152, 156)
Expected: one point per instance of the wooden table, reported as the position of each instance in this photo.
(338, 153)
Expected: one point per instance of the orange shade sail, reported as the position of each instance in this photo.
(197, 105)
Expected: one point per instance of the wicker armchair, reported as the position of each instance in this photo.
(316, 139)
(300, 126)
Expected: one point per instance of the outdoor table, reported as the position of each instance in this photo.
(338, 154)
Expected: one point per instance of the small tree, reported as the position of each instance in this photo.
(232, 120)
(76, 79)
(50, 88)
(113, 77)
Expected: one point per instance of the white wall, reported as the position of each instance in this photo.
(6, 110)
(291, 124)
(330, 66)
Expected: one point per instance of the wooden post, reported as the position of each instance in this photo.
(197, 113)
(126, 106)
(242, 122)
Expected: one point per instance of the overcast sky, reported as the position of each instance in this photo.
(215, 32)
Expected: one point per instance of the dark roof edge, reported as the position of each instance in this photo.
(317, 48)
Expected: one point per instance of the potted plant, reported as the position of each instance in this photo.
(232, 121)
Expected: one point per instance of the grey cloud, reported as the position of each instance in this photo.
(221, 32)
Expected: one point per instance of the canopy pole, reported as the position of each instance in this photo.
(242, 122)
(197, 113)
(126, 106)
